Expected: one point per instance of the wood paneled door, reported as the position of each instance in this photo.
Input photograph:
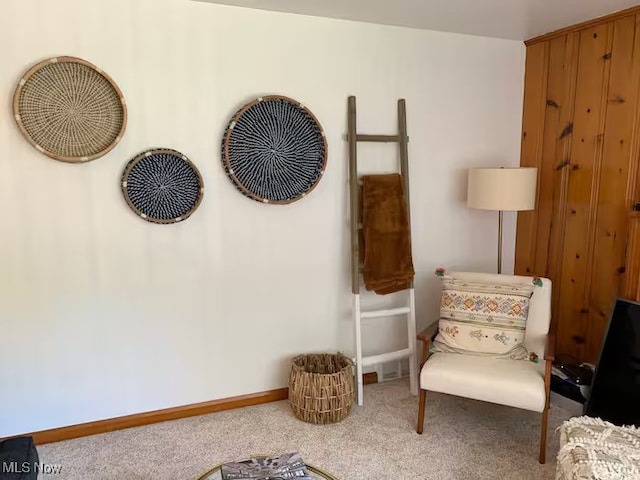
(580, 128)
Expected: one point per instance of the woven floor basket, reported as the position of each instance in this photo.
(321, 387)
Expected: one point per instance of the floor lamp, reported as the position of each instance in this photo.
(511, 189)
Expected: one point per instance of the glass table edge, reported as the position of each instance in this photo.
(312, 468)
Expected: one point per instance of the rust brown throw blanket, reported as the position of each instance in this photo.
(388, 266)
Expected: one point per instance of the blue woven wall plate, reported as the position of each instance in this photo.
(274, 150)
(162, 186)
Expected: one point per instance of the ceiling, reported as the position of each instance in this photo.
(513, 19)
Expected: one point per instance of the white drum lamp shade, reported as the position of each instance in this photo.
(511, 189)
(500, 189)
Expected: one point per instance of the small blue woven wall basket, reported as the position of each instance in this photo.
(162, 186)
(274, 150)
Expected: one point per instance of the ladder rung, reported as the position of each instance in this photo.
(385, 313)
(386, 357)
(378, 138)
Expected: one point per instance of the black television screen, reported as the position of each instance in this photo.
(615, 390)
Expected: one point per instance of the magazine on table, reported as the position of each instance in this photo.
(285, 467)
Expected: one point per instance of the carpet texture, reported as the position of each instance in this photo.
(463, 439)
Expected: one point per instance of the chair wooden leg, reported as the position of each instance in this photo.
(545, 413)
(420, 426)
(543, 436)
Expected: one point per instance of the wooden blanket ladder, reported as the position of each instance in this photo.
(408, 311)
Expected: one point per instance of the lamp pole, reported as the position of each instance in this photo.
(500, 219)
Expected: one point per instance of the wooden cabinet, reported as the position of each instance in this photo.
(631, 283)
(581, 129)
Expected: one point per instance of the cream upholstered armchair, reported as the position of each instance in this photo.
(516, 383)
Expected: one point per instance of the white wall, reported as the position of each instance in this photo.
(103, 314)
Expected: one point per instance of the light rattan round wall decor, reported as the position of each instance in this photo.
(69, 109)
(274, 150)
(162, 186)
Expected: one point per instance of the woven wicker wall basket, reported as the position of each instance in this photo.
(321, 387)
(162, 185)
(274, 150)
(69, 109)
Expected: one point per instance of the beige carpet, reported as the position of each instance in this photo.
(463, 439)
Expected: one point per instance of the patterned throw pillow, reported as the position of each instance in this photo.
(483, 319)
